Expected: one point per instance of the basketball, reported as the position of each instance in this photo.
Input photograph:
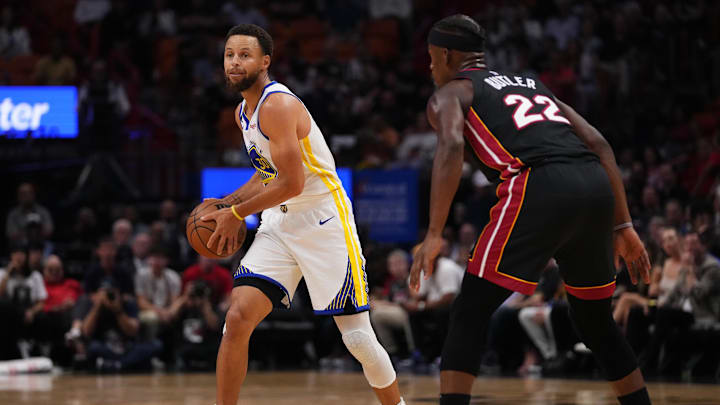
(199, 232)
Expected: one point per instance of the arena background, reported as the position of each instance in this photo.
(153, 112)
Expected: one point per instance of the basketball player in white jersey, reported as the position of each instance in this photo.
(308, 228)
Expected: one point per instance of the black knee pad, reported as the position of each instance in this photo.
(596, 327)
(469, 318)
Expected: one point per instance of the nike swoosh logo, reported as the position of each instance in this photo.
(325, 221)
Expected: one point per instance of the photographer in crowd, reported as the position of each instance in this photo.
(110, 325)
(197, 327)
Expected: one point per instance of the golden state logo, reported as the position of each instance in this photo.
(262, 165)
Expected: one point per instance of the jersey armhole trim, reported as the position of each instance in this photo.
(268, 95)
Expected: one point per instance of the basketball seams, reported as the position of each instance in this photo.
(198, 228)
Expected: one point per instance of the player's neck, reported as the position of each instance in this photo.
(474, 61)
(252, 95)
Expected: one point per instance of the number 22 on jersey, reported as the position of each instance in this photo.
(521, 116)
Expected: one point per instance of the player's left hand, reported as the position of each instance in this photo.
(226, 230)
(424, 259)
(627, 244)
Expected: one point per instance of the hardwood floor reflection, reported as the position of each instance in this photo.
(317, 388)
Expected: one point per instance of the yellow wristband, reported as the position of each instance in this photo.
(232, 208)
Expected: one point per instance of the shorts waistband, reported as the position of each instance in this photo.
(302, 206)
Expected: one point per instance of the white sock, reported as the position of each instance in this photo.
(402, 401)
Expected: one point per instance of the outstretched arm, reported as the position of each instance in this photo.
(445, 114)
(627, 242)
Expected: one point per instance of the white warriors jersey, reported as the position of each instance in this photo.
(318, 163)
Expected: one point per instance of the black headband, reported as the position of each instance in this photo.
(455, 41)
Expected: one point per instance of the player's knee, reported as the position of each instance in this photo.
(238, 324)
(362, 346)
(375, 361)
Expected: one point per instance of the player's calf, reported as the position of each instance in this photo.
(595, 325)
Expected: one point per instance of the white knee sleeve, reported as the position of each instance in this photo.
(359, 338)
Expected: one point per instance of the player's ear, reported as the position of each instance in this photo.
(266, 61)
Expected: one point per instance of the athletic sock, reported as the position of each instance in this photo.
(639, 397)
(402, 402)
(455, 399)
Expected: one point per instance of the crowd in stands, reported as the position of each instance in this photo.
(105, 280)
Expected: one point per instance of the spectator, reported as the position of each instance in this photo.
(56, 318)
(386, 310)
(14, 38)
(674, 215)
(429, 307)
(664, 278)
(695, 300)
(467, 236)
(401, 9)
(22, 296)
(157, 288)
(210, 273)
(27, 211)
(121, 233)
(103, 104)
(159, 21)
(107, 269)
(536, 321)
(244, 12)
(140, 251)
(62, 292)
(110, 324)
(56, 69)
(197, 328)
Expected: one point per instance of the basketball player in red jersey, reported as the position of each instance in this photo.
(560, 195)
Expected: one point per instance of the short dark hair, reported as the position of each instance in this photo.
(463, 25)
(159, 250)
(252, 30)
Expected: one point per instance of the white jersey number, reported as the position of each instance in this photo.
(521, 116)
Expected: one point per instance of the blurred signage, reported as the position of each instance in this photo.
(218, 182)
(386, 202)
(38, 111)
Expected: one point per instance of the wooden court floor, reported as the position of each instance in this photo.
(318, 388)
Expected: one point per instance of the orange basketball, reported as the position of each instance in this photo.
(199, 232)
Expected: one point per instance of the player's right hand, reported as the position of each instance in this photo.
(627, 244)
(424, 259)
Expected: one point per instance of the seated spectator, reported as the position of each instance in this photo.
(121, 233)
(107, 268)
(14, 38)
(467, 236)
(429, 307)
(157, 288)
(537, 320)
(56, 318)
(386, 311)
(110, 324)
(22, 297)
(693, 301)
(664, 278)
(140, 250)
(218, 278)
(56, 69)
(197, 328)
(62, 293)
(27, 210)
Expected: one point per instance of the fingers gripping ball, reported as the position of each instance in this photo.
(199, 232)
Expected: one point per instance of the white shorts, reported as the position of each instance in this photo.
(316, 240)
